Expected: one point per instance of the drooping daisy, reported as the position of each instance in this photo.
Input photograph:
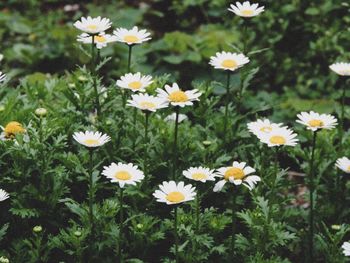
(101, 40)
(93, 25)
(11, 129)
(201, 174)
(135, 82)
(147, 102)
(342, 69)
(2, 76)
(176, 97)
(91, 139)
(238, 173)
(262, 126)
(314, 121)
(228, 61)
(279, 137)
(346, 249)
(343, 163)
(172, 193)
(133, 36)
(3, 195)
(123, 173)
(172, 117)
(246, 9)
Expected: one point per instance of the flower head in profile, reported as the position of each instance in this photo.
(279, 137)
(11, 129)
(147, 102)
(343, 164)
(246, 9)
(346, 248)
(2, 76)
(93, 26)
(101, 40)
(237, 174)
(133, 36)
(3, 195)
(200, 174)
(262, 126)
(315, 121)
(228, 61)
(172, 193)
(123, 174)
(177, 97)
(342, 69)
(135, 82)
(91, 139)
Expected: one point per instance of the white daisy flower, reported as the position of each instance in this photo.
(101, 40)
(134, 82)
(123, 173)
(246, 9)
(177, 97)
(237, 174)
(343, 163)
(172, 117)
(133, 36)
(346, 248)
(342, 69)
(201, 174)
(172, 193)
(314, 121)
(2, 76)
(228, 60)
(262, 126)
(91, 139)
(93, 25)
(147, 102)
(3, 195)
(279, 137)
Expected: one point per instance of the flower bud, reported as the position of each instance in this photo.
(41, 112)
(37, 229)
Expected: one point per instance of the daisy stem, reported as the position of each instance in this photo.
(93, 69)
(233, 220)
(91, 194)
(129, 58)
(177, 110)
(176, 236)
(311, 190)
(146, 142)
(134, 124)
(341, 126)
(121, 223)
(197, 212)
(227, 102)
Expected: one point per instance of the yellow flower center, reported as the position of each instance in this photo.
(135, 85)
(175, 197)
(147, 105)
(178, 96)
(277, 140)
(234, 172)
(12, 128)
(122, 175)
(100, 39)
(131, 39)
(348, 169)
(229, 63)
(91, 142)
(199, 176)
(247, 12)
(92, 27)
(315, 123)
(266, 129)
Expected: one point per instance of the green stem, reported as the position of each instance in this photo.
(129, 57)
(146, 143)
(341, 126)
(226, 104)
(176, 236)
(177, 111)
(91, 197)
(135, 130)
(93, 69)
(233, 220)
(197, 212)
(121, 224)
(311, 186)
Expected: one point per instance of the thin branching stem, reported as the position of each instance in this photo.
(311, 191)
(121, 224)
(177, 111)
(226, 104)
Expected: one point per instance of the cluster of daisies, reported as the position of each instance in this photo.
(170, 192)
